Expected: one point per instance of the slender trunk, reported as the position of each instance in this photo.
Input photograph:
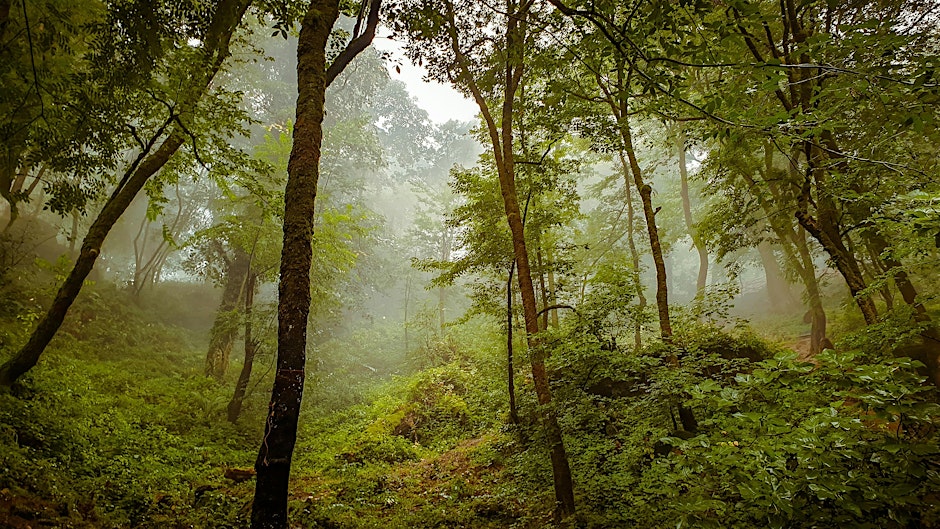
(510, 365)
(542, 289)
(226, 19)
(73, 233)
(13, 199)
(689, 423)
(446, 243)
(880, 270)
(251, 347)
(793, 242)
(147, 272)
(4, 17)
(826, 229)
(697, 241)
(269, 509)
(9, 161)
(29, 354)
(930, 334)
(502, 143)
(778, 289)
(225, 327)
(552, 298)
(646, 198)
(407, 299)
(561, 472)
(807, 271)
(634, 254)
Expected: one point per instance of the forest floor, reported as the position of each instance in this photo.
(118, 427)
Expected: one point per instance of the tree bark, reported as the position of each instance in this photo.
(251, 348)
(619, 107)
(552, 297)
(825, 228)
(542, 289)
(446, 247)
(269, 510)
(4, 16)
(226, 19)
(792, 240)
(225, 328)
(646, 198)
(778, 289)
(807, 271)
(930, 334)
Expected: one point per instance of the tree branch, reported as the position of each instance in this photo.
(357, 45)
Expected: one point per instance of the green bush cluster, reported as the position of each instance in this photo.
(847, 441)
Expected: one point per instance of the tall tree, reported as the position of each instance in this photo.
(314, 75)
(443, 34)
(225, 328)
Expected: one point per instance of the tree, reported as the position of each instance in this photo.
(314, 75)
(174, 131)
(442, 34)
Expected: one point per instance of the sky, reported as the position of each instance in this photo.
(441, 101)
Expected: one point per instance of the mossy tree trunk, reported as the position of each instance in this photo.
(269, 510)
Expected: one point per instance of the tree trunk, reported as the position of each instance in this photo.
(226, 19)
(4, 17)
(502, 143)
(778, 289)
(646, 198)
(879, 269)
(807, 272)
(446, 244)
(697, 241)
(225, 328)
(689, 423)
(73, 233)
(510, 365)
(561, 472)
(792, 240)
(407, 299)
(29, 354)
(251, 347)
(542, 289)
(269, 510)
(930, 334)
(826, 229)
(634, 254)
(552, 298)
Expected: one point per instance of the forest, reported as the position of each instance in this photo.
(681, 269)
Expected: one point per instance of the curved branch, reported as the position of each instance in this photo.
(555, 307)
(357, 45)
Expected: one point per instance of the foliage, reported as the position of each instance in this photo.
(849, 440)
